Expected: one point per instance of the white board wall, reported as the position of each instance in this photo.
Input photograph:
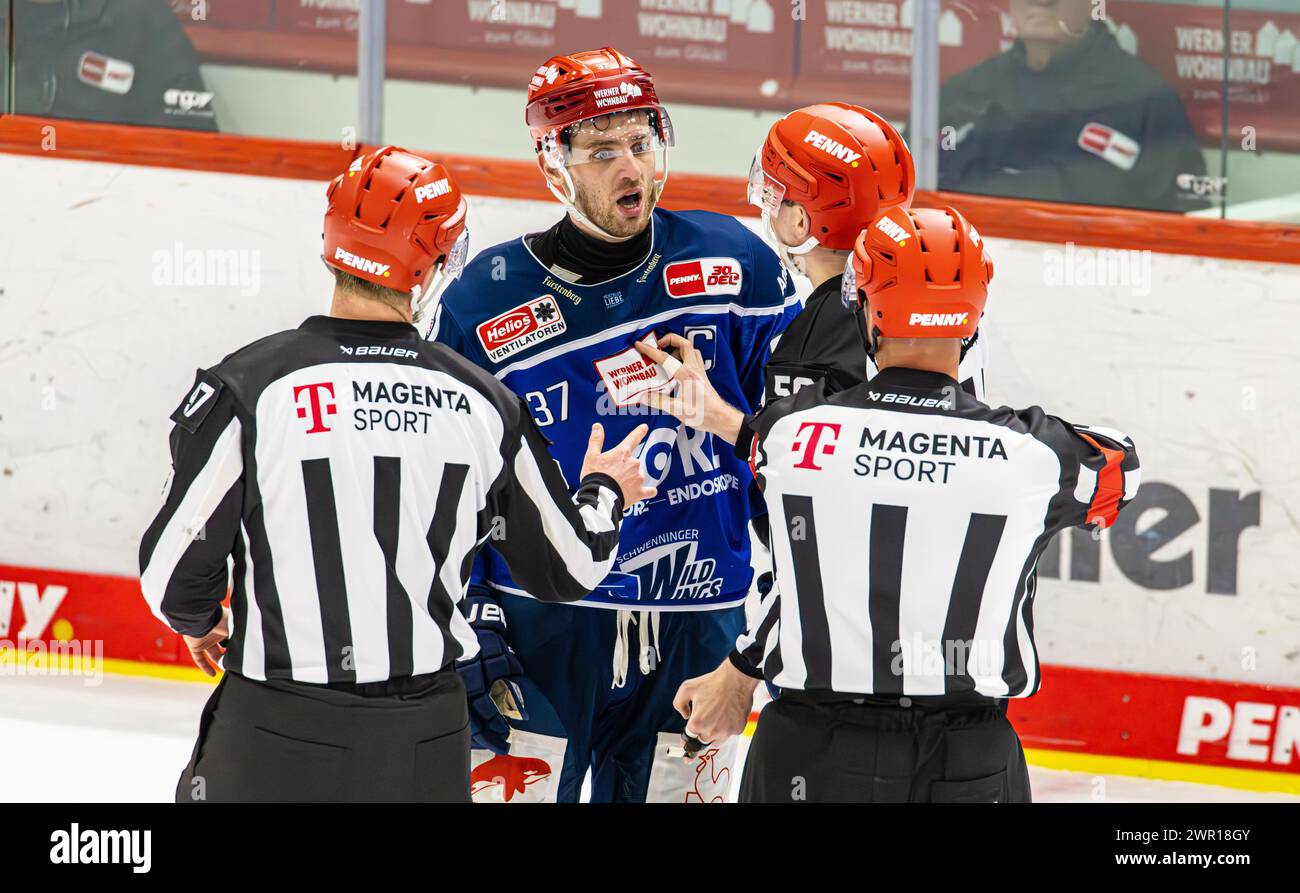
(101, 329)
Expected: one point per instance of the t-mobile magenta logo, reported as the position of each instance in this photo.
(814, 440)
(318, 408)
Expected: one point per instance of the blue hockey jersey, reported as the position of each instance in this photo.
(561, 347)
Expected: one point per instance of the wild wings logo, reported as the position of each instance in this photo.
(672, 572)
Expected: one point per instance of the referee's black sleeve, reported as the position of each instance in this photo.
(183, 555)
(558, 546)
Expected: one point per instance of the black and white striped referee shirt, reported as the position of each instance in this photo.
(351, 469)
(907, 519)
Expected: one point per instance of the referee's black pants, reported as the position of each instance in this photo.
(291, 742)
(847, 752)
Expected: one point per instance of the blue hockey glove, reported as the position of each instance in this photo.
(492, 677)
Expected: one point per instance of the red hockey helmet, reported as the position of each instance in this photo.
(919, 273)
(591, 89)
(842, 163)
(398, 220)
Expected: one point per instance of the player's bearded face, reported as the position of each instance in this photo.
(615, 183)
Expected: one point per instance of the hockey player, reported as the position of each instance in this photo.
(907, 520)
(554, 316)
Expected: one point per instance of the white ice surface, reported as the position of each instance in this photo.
(126, 739)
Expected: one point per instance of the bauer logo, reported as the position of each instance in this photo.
(524, 326)
(703, 276)
(106, 73)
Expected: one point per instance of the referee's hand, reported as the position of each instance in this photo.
(207, 650)
(717, 705)
(620, 463)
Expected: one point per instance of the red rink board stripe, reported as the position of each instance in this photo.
(1198, 722)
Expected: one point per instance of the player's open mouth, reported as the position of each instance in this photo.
(630, 203)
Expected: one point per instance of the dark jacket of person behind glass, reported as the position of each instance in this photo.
(1067, 115)
(116, 61)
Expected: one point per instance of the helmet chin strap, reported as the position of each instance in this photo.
(870, 339)
(424, 298)
(791, 255)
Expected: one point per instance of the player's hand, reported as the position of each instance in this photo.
(717, 705)
(694, 402)
(620, 463)
(207, 650)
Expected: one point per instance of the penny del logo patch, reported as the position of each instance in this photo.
(523, 326)
(703, 276)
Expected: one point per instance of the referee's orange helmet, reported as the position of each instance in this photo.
(919, 273)
(397, 219)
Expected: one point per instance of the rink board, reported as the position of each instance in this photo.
(1190, 609)
(1208, 731)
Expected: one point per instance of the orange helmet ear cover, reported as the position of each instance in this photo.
(922, 273)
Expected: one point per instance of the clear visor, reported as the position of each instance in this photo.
(447, 273)
(849, 285)
(607, 138)
(454, 265)
(764, 191)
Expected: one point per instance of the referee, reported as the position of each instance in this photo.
(351, 469)
(907, 519)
